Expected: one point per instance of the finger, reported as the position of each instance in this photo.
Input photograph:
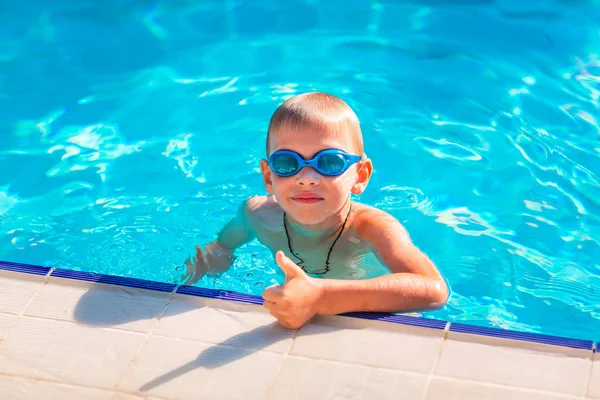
(276, 315)
(269, 305)
(272, 293)
(192, 274)
(283, 321)
(194, 278)
(188, 271)
(289, 268)
(189, 265)
(199, 253)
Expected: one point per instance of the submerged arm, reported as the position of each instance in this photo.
(217, 256)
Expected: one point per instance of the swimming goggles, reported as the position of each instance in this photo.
(330, 162)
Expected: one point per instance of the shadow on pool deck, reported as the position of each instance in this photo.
(109, 306)
(215, 357)
(238, 346)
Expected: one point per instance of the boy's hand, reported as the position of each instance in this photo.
(297, 300)
(213, 260)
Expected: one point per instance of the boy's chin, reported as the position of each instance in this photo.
(307, 218)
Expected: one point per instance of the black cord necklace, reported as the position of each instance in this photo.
(300, 264)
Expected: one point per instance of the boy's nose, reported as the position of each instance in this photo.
(308, 176)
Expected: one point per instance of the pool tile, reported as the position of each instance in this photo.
(6, 322)
(370, 343)
(520, 364)
(229, 323)
(452, 389)
(17, 289)
(594, 385)
(14, 388)
(186, 369)
(98, 304)
(68, 352)
(304, 378)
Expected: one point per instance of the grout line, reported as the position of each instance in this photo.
(47, 277)
(111, 328)
(138, 396)
(436, 361)
(69, 384)
(113, 395)
(20, 315)
(44, 283)
(366, 366)
(88, 324)
(280, 367)
(588, 382)
(46, 380)
(558, 395)
(227, 346)
(446, 330)
(148, 334)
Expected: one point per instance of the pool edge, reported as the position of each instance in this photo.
(582, 344)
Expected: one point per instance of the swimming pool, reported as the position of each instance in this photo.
(131, 130)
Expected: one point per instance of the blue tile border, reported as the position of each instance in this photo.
(113, 280)
(522, 336)
(26, 268)
(219, 294)
(251, 299)
(400, 319)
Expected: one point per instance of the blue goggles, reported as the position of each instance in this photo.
(330, 162)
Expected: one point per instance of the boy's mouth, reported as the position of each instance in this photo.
(307, 198)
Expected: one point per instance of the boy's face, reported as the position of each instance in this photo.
(309, 197)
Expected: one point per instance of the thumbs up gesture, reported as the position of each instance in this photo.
(296, 301)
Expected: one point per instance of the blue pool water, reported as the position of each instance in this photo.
(131, 130)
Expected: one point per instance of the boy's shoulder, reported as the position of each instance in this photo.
(259, 209)
(370, 222)
(261, 204)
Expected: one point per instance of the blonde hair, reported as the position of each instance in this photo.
(320, 111)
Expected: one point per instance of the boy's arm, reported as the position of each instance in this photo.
(415, 282)
(217, 256)
(237, 231)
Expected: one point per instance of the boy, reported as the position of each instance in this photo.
(315, 161)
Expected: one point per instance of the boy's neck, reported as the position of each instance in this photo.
(324, 229)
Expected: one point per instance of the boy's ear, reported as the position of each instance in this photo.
(365, 169)
(266, 173)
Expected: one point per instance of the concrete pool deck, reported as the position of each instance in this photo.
(71, 335)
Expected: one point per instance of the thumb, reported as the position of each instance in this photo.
(289, 268)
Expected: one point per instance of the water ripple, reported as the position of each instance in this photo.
(446, 149)
(138, 128)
